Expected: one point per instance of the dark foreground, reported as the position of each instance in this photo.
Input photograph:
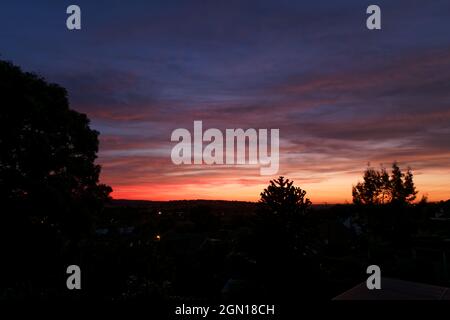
(199, 252)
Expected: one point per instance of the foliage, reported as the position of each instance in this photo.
(283, 198)
(379, 187)
(49, 182)
(47, 151)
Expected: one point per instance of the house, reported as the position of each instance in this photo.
(395, 289)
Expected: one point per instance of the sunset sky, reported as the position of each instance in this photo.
(341, 95)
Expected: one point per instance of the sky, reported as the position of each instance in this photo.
(341, 95)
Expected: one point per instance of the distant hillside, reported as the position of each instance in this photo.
(216, 206)
(213, 204)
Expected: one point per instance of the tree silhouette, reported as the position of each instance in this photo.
(288, 245)
(47, 151)
(403, 189)
(283, 198)
(49, 183)
(380, 188)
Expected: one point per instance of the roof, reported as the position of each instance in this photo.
(394, 289)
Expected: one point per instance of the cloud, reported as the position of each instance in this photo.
(341, 96)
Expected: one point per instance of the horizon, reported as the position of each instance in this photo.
(342, 96)
(256, 202)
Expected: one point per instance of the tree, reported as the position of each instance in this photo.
(374, 190)
(283, 198)
(408, 188)
(287, 237)
(380, 188)
(47, 151)
(49, 182)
